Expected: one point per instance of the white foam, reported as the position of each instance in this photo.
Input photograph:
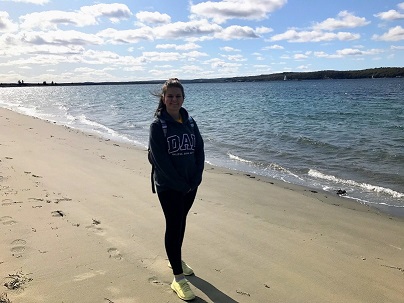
(365, 186)
(233, 157)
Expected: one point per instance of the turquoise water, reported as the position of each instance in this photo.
(328, 134)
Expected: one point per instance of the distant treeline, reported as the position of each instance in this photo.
(382, 72)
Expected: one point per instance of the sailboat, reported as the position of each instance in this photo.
(285, 78)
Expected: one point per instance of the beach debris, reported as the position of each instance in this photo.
(243, 293)
(106, 299)
(155, 281)
(58, 213)
(394, 267)
(36, 199)
(4, 299)
(61, 199)
(341, 192)
(96, 222)
(17, 281)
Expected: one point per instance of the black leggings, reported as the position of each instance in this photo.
(175, 207)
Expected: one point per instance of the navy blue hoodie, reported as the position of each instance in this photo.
(179, 156)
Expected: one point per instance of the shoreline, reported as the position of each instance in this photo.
(389, 210)
(80, 224)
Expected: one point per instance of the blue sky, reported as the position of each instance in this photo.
(74, 41)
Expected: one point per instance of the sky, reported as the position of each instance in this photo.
(80, 40)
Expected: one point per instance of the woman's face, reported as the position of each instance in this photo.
(173, 99)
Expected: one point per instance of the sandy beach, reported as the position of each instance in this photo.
(79, 223)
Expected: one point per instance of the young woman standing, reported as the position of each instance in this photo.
(177, 152)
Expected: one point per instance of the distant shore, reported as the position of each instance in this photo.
(382, 72)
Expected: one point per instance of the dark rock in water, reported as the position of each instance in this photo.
(341, 192)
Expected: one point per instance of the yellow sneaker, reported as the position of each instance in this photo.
(186, 269)
(183, 290)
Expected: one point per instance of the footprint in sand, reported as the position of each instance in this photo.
(155, 281)
(18, 247)
(97, 230)
(6, 190)
(7, 220)
(7, 202)
(114, 253)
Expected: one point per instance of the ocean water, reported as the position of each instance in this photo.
(324, 134)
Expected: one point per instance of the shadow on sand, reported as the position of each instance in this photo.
(209, 290)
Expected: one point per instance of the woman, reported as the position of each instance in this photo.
(176, 150)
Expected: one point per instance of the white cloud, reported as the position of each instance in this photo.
(229, 49)
(293, 35)
(50, 20)
(60, 38)
(304, 67)
(192, 31)
(237, 58)
(344, 20)
(178, 30)
(300, 56)
(195, 54)
(392, 14)
(218, 63)
(161, 56)
(114, 11)
(153, 17)
(87, 15)
(39, 2)
(348, 52)
(240, 9)
(275, 46)
(187, 46)
(109, 58)
(236, 32)
(6, 24)
(126, 36)
(263, 30)
(393, 34)
(323, 31)
(53, 42)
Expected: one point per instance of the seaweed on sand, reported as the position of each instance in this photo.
(17, 281)
(4, 299)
